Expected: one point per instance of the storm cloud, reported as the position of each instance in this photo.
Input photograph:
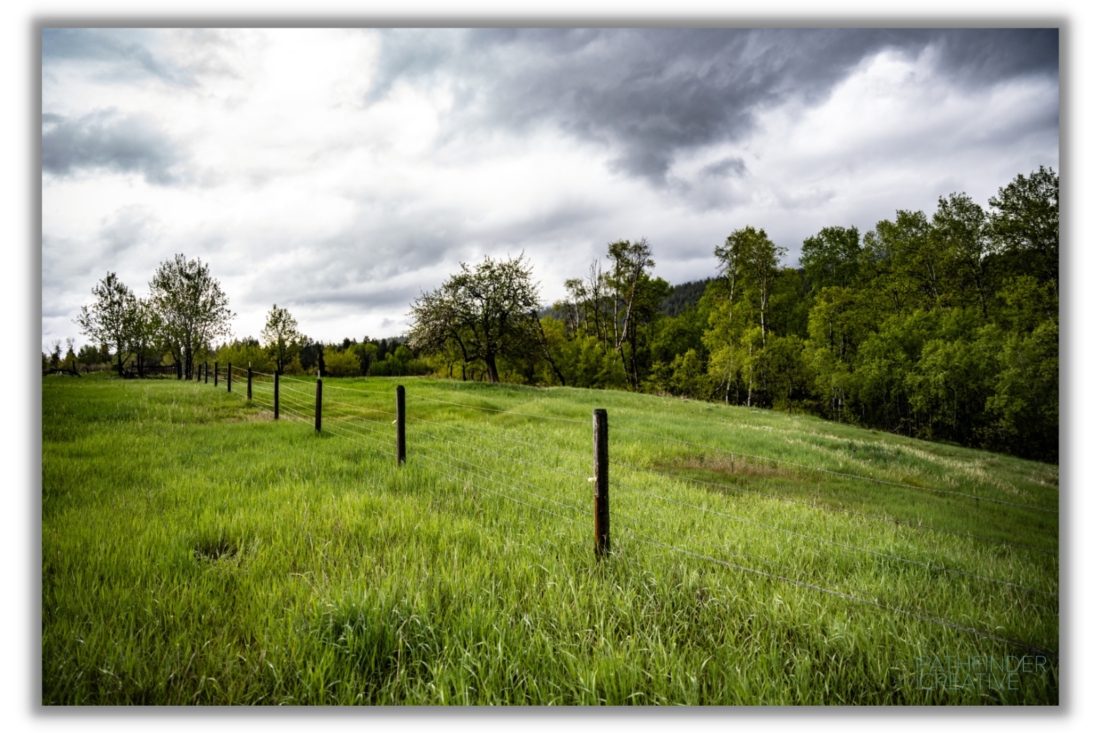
(342, 172)
(107, 141)
(651, 94)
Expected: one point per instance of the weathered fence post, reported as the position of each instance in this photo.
(250, 381)
(229, 377)
(400, 424)
(206, 372)
(599, 458)
(317, 408)
(276, 395)
(215, 374)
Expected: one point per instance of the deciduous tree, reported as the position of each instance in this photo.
(106, 321)
(485, 310)
(192, 307)
(281, 337)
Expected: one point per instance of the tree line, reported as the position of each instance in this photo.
(941, 326)
(181, 321)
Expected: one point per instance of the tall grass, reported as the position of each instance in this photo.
(196, 551)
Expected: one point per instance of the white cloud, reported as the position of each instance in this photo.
(307, 181)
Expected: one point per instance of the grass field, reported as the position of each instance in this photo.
(195, 551)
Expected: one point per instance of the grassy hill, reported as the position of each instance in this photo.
(194, 550)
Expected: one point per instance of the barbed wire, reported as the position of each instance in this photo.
(497, 436)
(357, 391)
(835, 473)
(502, 455)
(325, 408)
(345, 429)
(834, 543)
(306, 410)
(358, 407)
(921, 616)
(826, 507)
(525, 483)
(497, 493)
(294, 414)
(283, 387)
(337, 430)
(772, 563)
(492, 409)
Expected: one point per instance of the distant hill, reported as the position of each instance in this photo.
(683, 297)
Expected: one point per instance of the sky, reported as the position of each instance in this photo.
(340, 173)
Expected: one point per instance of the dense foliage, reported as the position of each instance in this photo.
(942, 327)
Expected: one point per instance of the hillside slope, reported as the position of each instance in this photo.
(197, 551)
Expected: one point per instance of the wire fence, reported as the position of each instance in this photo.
(447, 450)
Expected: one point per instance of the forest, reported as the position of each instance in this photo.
(941, 326)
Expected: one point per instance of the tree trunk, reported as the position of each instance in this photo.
(491, 368)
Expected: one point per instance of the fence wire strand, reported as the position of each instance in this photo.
(834, 473)
(349, 428)
(833, 543)
(921, 616)
(502, 455)
(826, 507)
(507, 412)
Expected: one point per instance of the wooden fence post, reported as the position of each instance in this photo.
(215, 374)
(400, 424)
(206, 372)
(249, 381)
(276, 395)
(599, 459)
(229, 378)
(317, 407)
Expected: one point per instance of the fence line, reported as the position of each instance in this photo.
(338, 430)
(584, 476)
(493, 409)
(501, 437)
(826, 507)
(833, 542)
(506, 496)
(357, 407)
(283, 387)
(345, 428)
(346, 418)
(837, 473)
(921, 616)
(779, 566)
(525, 483)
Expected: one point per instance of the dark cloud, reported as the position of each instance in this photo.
(650, 94)
(105, 140)
(126, 58)
(725, 168)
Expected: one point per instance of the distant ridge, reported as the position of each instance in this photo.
(683, 297)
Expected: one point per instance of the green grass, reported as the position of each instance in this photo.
(197, 552)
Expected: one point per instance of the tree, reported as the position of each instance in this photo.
(107, 320)
(143, 332)
(281, 337)
(69, 363)
(192, 307)
(485, 310)
(960, 225)
(1024, 223)
(636, 296)
(366, 352)
(831, 257)
(88, 356)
